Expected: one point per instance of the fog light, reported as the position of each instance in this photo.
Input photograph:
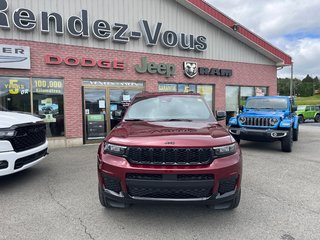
(3, 164)
(227, 185)
(112, 183)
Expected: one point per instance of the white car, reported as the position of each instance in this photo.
(23, 141)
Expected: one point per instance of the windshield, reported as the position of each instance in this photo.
(170, 108)
(267, 103)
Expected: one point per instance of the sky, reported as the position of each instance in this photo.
(293, 26)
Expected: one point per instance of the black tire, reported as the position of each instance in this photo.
(102, 199)
(236, 201)
(317, 118)
(110, 204)
(301, 119)
(237, 138)
(295, 134)
(287, 141)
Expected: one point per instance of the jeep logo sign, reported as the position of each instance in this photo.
(166, 69)
(80, 26)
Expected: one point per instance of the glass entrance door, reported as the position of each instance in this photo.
(95, 128)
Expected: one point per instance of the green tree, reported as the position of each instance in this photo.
(284, 86)
(308, 79)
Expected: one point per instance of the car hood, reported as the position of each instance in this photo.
(263, 114)
(8, 119)
(169, 134)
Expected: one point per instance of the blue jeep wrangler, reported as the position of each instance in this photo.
(267, 119)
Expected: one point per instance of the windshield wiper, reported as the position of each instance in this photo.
(134, 119)
(269, 108)
(175, 120)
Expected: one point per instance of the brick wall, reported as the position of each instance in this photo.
(243, 74)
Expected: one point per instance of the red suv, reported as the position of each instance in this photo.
(169, 147)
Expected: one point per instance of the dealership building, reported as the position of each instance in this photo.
(74, 62)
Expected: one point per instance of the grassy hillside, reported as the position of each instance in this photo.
(313, 100)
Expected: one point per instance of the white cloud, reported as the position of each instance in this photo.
(290, 25)
(305, 54)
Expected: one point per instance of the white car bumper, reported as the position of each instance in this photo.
(11, 161)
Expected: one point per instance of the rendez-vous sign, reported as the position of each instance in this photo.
(79, 26)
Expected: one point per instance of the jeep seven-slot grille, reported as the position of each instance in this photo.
(170, 156)
(254, 121)
(28, 137)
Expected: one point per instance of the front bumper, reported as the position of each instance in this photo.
(12, 162)
(215, 184)
(255, 134)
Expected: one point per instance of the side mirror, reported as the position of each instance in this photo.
(220, 116)
(117, 114)
(294, 108)
(241, 108)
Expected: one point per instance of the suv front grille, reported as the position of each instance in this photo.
(28, 136)
(170, 186)
(170, 156)
(255, 121)
(170, 193)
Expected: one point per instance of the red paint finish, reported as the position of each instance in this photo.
(221, 168)
(244, 74)
(205, 7)
(156, 135)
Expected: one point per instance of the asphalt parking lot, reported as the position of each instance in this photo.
(57, 199)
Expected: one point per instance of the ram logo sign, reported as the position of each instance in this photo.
(190, 69)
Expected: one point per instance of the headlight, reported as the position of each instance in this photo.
(6, 133)
(225, 150)
(114, 149)
(242, 120)
(273, 121)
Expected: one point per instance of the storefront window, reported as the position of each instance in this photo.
(261, 91)
(237, 95)
(187, 88)
(168, 87)
(232, 101)
(232, 98)
(15, 94)
(48, 104)
(206, 91)
(245, 92)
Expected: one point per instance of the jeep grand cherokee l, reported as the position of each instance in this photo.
(169, 147)
(23, 141)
